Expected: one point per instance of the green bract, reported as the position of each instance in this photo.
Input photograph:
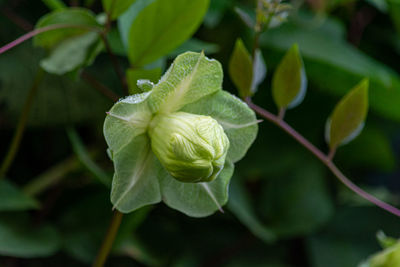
(185, 127)
(390, 257)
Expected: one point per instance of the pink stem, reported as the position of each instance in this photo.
(30, 34)
(321, 156)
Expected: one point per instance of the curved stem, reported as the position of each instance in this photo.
(16, 141)
(326, 159)
(108, 240)
(30, 34)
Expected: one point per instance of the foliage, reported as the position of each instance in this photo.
(120, 64)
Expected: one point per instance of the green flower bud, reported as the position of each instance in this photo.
(191, 147)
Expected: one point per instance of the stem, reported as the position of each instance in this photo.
(99, 86)
(115, 63)
(30, 34)
(16, 141)
(281, 113)
(108, 240)
(326, 160)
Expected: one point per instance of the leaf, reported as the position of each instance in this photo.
(191, 77)
(162, 26)
(241, 69)
(239, 122)
(135, 181)
(326, 52)
(72, 54)
(347, 119)
(289, 82)
(239, 204)
(19, 238)
(83, 20)
(297, 203)
(197, 199)
(133, 75)
(54, 4)
(117, 7)
(14, 199)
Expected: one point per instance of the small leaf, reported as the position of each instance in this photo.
(72, 53)
(134, 75)
(347, 119)
(289, 82)
(162, 26)
(241, 69)
(259, 71)
(117, 7)
(83, 19)
(12, 199)
(20, 238)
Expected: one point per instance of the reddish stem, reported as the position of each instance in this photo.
(322, 157)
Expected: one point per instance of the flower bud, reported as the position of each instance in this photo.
(191, 147)
(390, 257)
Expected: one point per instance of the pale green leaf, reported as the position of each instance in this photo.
(289, 82)
(13, 199)
(126, 119)
(237, 119)
(134, 75)
(83, 21)
(347, 119)
(135, 181)
(20, 238)
(71, 54)
(190, 77)
(162, 26)
(197, 199)
(116, 7)
(241, 69)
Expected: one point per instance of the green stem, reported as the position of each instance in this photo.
(108, 240)
(16, 141)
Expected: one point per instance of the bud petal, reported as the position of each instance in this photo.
(191, 147)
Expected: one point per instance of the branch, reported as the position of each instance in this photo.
(325, 159)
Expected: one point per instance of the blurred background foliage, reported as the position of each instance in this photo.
(285, 207)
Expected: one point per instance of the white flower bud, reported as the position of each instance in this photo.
(191, 147)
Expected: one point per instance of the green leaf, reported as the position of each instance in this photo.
(82, 19)
(135, 181)
(134, 75)
(297, 203)
(289, 82)
(347, 119)
(117, 7)
(324, 51)
(239, 122)
(191, 77)
(241, 69)
(197, 199)
(12, 199)
(73, 53)
(20, 238)
(162, 26)
(239, 204)
(54, 4)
